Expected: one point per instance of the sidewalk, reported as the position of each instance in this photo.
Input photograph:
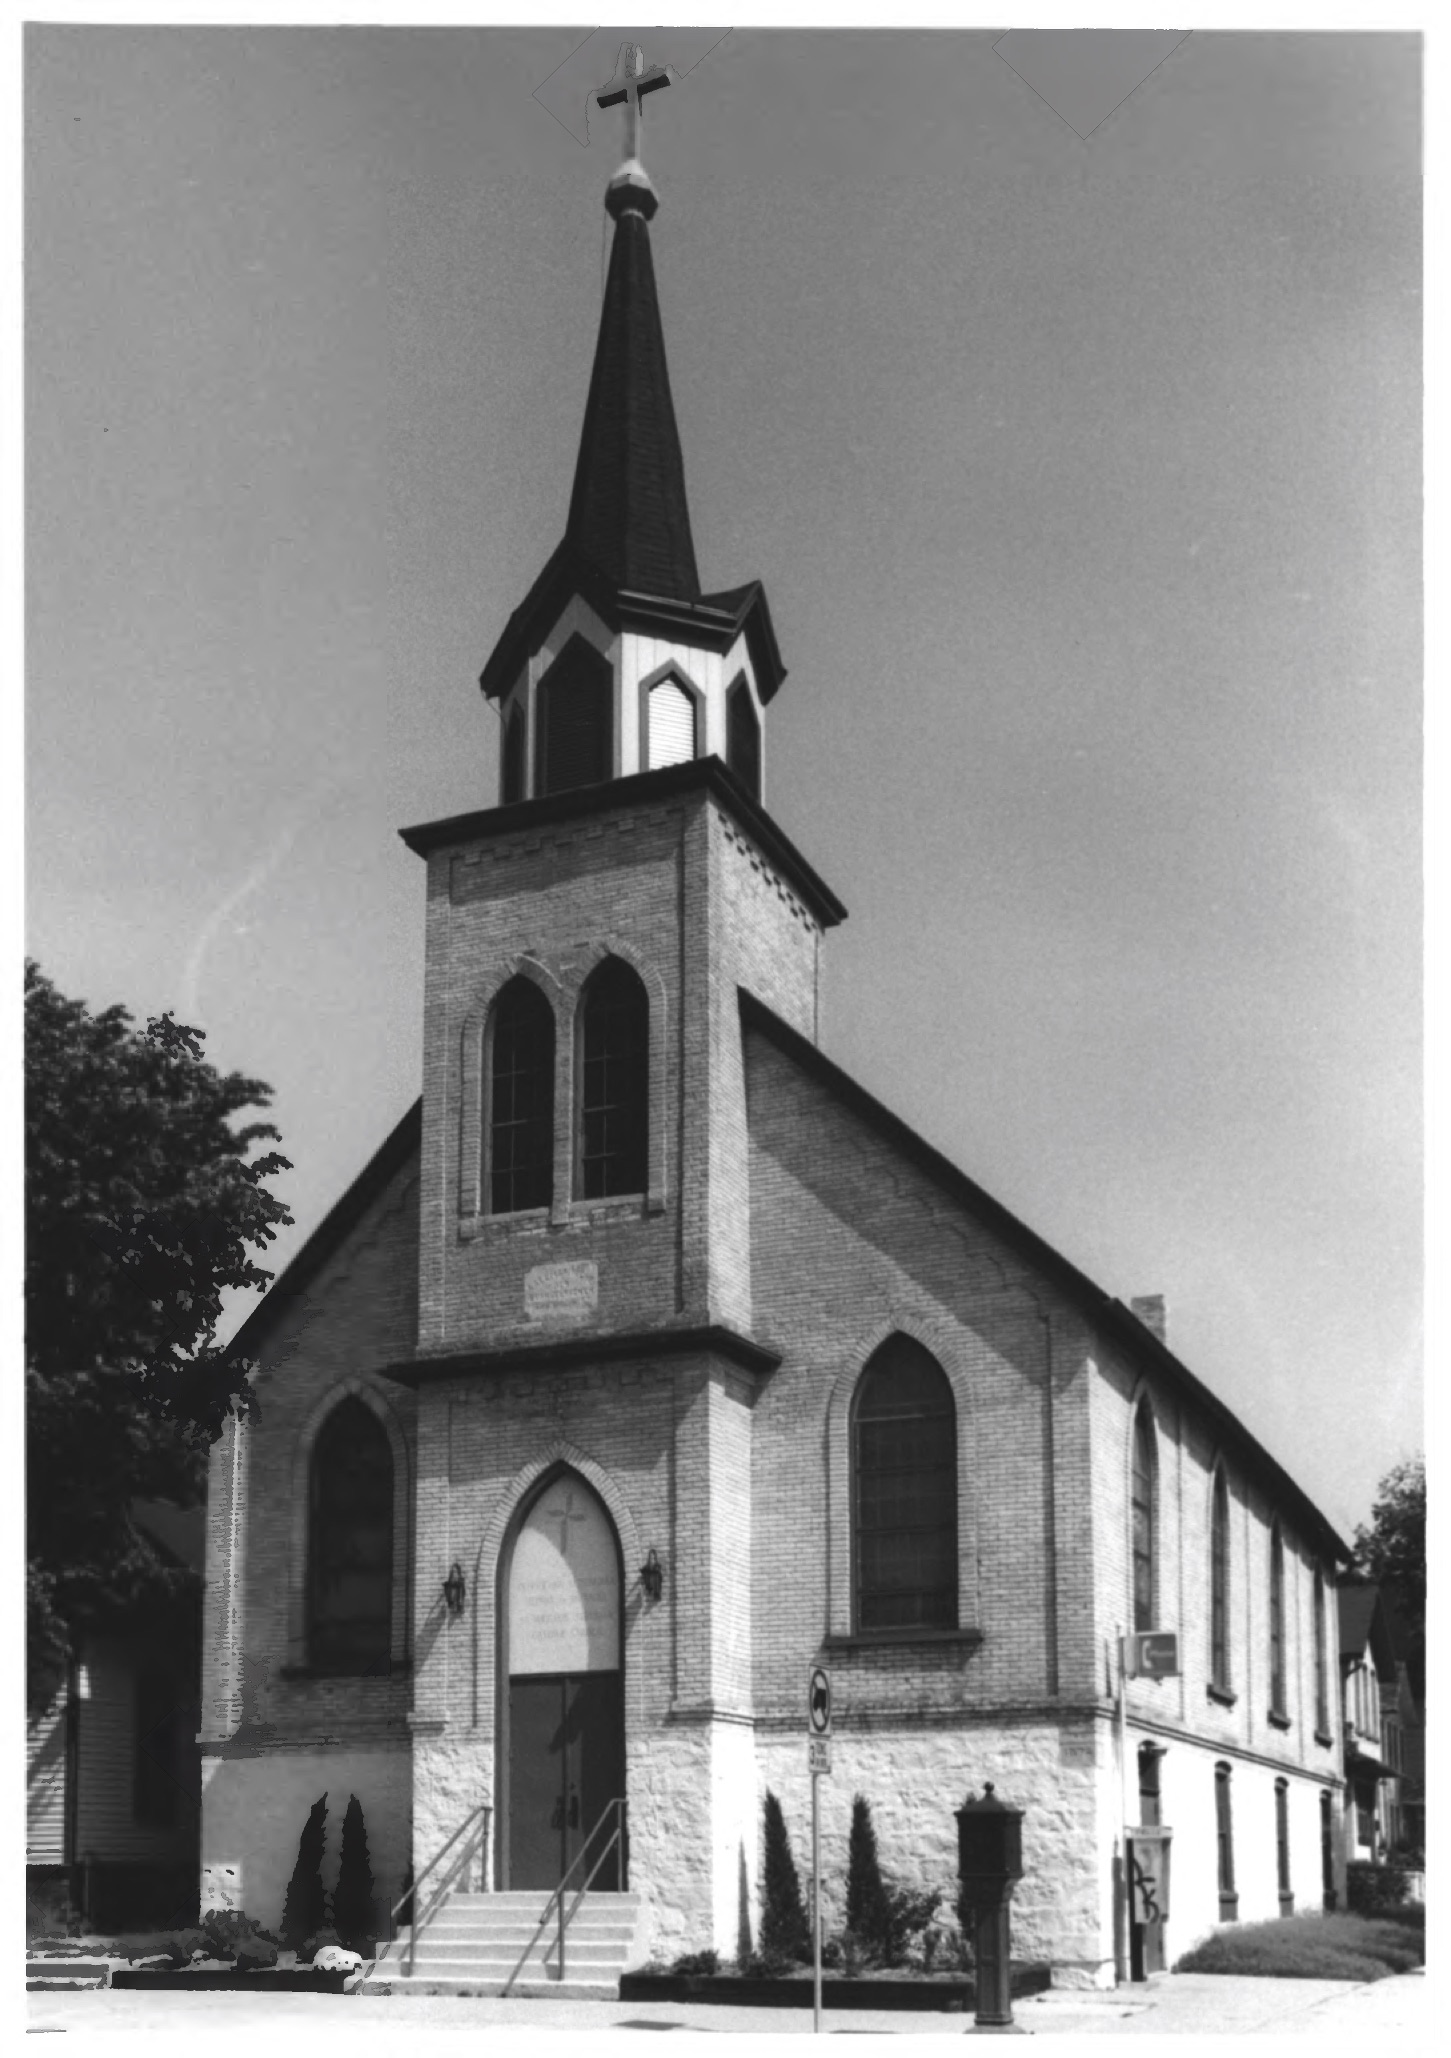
(1192, 2003)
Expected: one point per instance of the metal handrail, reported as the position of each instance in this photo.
(556, 1899)
(418, 1923)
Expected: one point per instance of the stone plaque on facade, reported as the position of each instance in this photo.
(564, 1586)
(561, 1292)
(1077, 1750)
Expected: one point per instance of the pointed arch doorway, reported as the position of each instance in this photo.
(563, 1705)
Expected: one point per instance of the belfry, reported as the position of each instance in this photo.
(651, 1364)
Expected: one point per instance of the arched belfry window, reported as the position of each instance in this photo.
(614, 1083)
(743, 737)
(519, 1129)
(905, 1464)
(672, 724)
(1144, 1513)
(1219, 1581)
(1277, 1621)
(574, 720)
(511, 761)
(350, 1543)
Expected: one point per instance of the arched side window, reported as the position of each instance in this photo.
(905, 1466)
(574, 720)
(614, 1083)
(1277, 1622)
(519, 1117)
(511, 760)
(671, 725)
(743, 737)
(1322, 1681)
(1219, 1583)
(350, 1543)
(1144, 1513)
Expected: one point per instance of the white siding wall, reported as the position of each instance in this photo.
(45, 1770)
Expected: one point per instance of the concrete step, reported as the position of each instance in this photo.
(383, 1984)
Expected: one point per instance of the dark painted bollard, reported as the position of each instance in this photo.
(989, 1865)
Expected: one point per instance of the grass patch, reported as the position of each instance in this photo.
(1310, 1947)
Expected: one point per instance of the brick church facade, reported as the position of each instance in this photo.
(692, 1367)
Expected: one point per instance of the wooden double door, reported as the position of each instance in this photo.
(566, 1764)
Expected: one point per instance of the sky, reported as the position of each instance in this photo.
(1084, 479)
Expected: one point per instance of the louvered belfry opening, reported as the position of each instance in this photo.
(520, 1120)
(905, 1437)
(614, 1070)
(575, 720)
(351, 1543)
(743, 737)
(672, 724)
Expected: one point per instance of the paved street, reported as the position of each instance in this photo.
(1353, 2017)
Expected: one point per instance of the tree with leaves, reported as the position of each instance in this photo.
(785, 1931)
(143, 1204)
(1392, 1551)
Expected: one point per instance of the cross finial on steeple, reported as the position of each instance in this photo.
(631, 82)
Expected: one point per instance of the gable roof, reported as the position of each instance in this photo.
(1362, 1622)
(1110, 1314)
(402, 1143)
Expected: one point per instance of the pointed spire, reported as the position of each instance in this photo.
(628, 514)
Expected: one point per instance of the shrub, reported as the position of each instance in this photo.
(1308, 1947)
(696, 1964)
(353, 1917)
(309, 1948)
(223, 1929)
(785, 1934)
(883, 1917)
(254, 1952)
(305, 1909)
(1373, 1889)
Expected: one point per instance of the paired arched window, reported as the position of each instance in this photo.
(519, 1124)
(614, 1083)
(1277, 1621)
(1144, 1514)
(1322, 1681)
(511, 759)
(574, 720)
(1219, 1581)
(350, 1543)
(905, 1463)
(743, 737)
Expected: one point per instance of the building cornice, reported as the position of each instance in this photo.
(549, 1353)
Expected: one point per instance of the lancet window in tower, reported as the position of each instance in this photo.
(1219, 1581)
(350, 1543)
(511, 759)
(614, 1075)
(519, 1064)
(672, 724)
(574, 720)
(743, 737)
(905, 1449)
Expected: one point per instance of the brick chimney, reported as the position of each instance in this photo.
(1150, 1309)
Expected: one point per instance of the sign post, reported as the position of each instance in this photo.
(1143, 1654)
(818, 1760)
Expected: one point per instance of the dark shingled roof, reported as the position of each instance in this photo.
(628, 515)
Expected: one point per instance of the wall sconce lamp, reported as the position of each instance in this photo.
(652, 1575)
(455, 1593)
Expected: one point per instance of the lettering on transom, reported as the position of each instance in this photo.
(564, 1586)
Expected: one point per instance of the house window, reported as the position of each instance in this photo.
(743, 737)
(574, 719)
(905, 1448)
(1277, 1622)
(1322, 1680)
(511, 763)
(519, 1067)
(1219, 1582)
(672, 724)
(1282, 1845)
(1224, 1828)
(158, 1771)
(614, 1075)
(350, 1556)
(1143, 1517)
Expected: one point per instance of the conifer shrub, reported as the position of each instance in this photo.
(745, 1948)
(353, 1917)
(785, 1933)
(881, 1917)
(305, 1910)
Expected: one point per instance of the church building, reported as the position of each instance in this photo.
(652, 1363)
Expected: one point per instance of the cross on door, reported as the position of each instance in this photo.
(564, 1515)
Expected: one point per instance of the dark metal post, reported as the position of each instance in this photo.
(990, 1864)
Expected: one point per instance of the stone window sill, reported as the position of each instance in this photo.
(527, 1222)
(1225, 1695)
(1323, 1736)
(1278, 1719)
(897, 1639)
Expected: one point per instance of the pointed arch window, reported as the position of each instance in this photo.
(1219, 1583)
(1282, 1846)
(1224, 1835)
(672, 724)
(519, 1126)
(905, 1452)
(1322, 1680)
(614, 1083)
(574, 719)
(1144, 1516)
(511, 763)
(743, 737)
(350, 1543)
(1277, 1622)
